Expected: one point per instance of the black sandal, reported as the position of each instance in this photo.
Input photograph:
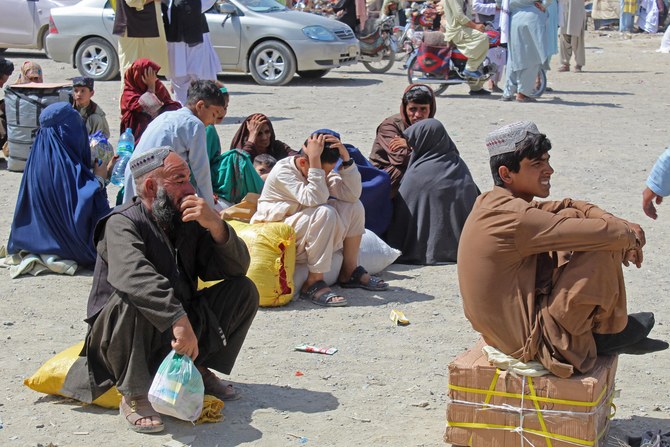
(376, 284)
(326, 298)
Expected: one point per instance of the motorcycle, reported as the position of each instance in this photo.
(420, 16)
(442, 66)
(379, 47)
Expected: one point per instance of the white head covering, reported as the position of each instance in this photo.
(149, 160)
(505, 139)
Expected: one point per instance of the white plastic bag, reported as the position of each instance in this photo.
(375, 254)
(177, 389)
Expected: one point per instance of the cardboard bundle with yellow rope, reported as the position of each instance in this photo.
(493, 408)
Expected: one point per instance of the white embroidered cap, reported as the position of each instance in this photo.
(505, 139)
(149, 160)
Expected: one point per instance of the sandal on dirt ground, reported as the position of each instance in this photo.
(375, 283)
(326, 298)
(137, 408)
(525, 98)
(217, 387)
(564, 68)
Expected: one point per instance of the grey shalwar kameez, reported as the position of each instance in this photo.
(144, 281)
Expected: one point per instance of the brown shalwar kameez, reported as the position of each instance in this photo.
(539, 278)
(144, 281)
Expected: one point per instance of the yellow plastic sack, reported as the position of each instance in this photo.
(272, 249)
(49, 378)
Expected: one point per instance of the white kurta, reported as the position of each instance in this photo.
(321, 224)
(190, 63)
(572, 17)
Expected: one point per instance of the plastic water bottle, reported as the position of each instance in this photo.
(124, 150)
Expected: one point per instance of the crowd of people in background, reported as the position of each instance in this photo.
(415, 191)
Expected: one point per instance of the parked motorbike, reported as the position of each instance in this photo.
(421, 16)
(442, 66)
(378, 48)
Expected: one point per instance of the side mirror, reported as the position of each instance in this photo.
(226, 8)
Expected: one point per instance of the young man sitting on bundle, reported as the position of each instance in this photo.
(323, 207)
(543, 280)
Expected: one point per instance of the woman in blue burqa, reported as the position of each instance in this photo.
(435, 197)
(60, 198)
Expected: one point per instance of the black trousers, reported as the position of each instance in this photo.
(124, 349)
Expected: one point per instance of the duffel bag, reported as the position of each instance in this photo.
(23, 105)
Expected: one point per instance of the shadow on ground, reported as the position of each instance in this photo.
(235, 429)
(330, 80)
(635, 427)
(557, 100)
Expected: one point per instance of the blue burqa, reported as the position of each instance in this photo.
(60, 201)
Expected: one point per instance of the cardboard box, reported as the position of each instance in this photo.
(493, 408)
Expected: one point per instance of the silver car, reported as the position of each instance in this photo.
(25, 23)
(260, 37)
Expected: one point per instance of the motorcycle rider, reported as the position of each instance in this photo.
(468, 36)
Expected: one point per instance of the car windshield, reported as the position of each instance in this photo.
(263, 5)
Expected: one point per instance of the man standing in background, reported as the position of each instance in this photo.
(658, 185)
(139, 25)
(572, 22)
(190, 50)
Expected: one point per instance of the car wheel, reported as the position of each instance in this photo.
(313, 74)
(44, 43)
(272, 63)
(97, 59)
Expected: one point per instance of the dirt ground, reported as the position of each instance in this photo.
(386, 386)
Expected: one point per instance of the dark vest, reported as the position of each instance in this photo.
(141, 24)
(168, 261)
(187, 22)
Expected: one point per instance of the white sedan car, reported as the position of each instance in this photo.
(260, 37)
(25, 23)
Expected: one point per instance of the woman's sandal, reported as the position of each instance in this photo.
(138, 409)
(375, 283)
(326, 298)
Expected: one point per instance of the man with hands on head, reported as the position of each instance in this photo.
(144, 300)
(323, 207)
(658, 185)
